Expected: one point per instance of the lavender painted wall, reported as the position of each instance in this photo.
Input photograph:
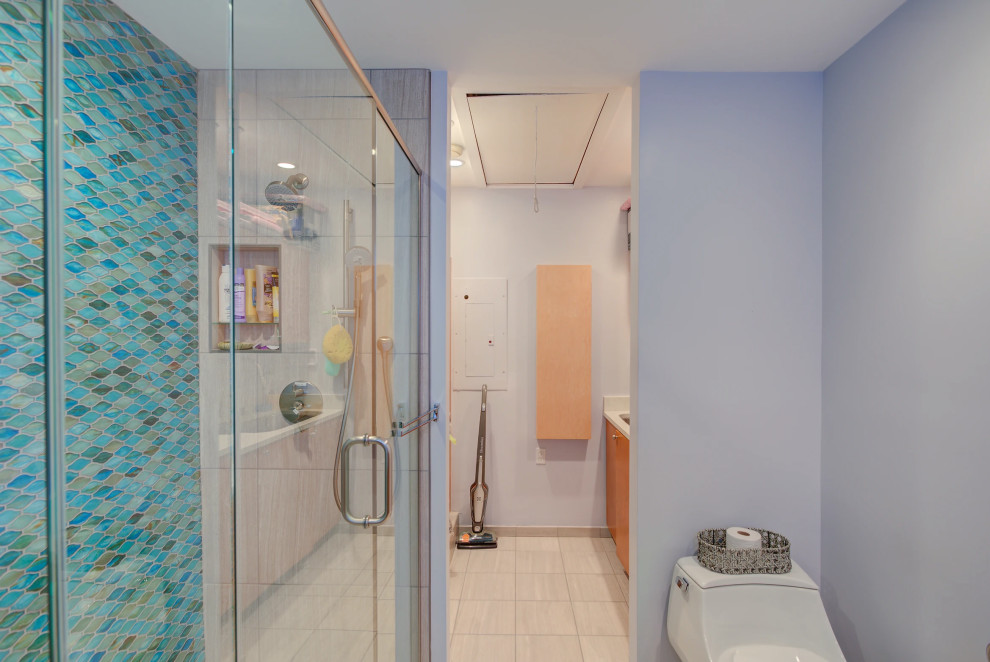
(728, 309)
(906, 326)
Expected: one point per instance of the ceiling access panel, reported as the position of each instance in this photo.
(505, 129)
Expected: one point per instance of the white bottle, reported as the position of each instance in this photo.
(224, 294)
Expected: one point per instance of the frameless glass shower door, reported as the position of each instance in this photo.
(321, 379)
(209, 341)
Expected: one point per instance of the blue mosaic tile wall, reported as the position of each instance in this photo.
(23, 579)
(133, 488)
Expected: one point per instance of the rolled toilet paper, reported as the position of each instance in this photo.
(737, 537)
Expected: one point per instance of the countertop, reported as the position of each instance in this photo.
(615, 405)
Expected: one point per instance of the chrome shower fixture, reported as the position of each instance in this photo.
(285, 195)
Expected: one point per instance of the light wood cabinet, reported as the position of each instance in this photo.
(563, 351)
(617, 490)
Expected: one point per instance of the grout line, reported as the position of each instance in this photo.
(577, 632)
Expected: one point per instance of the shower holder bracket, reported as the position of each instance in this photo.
(422, 420)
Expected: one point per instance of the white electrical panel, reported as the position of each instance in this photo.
(479, 319)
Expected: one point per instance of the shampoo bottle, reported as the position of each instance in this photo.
(251, 295)
(275, 311)
(263, 278)
(239, 303)
(223, 295)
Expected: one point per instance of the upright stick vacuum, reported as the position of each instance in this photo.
(479, 538)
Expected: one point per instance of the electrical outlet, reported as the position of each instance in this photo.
(541, 456)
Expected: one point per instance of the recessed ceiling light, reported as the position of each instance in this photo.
(455, 156)
(286, 165)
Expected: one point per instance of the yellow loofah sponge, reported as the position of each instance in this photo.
(337, 344)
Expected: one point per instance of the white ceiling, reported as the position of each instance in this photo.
(518, 46)
(516, 43)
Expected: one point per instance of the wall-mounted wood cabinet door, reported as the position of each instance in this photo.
(622, 499)
(617, 490)
(611, 510)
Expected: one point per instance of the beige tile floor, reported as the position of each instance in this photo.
(539, 599)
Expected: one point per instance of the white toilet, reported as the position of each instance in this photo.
(713, 617)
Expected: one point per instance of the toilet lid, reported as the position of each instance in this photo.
(705, 578)
(769, 653)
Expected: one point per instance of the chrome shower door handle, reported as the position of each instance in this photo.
(345, 481)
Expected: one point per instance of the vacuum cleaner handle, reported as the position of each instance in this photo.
(482, 433)
(479, 490)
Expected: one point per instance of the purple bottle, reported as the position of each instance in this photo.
(240, 307)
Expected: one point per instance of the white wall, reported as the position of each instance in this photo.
(729, 321)
(496, 234)
(905, 450)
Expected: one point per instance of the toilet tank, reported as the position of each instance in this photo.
(710, 614)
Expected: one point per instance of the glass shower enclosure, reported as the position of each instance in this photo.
(210, 339)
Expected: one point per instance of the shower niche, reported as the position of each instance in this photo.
(260, 329)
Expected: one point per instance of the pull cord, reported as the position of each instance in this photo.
(536, 156)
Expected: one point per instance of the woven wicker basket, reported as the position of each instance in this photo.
(774, 558)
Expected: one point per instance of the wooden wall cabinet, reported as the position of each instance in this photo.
(617, 491)
(563, 351)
